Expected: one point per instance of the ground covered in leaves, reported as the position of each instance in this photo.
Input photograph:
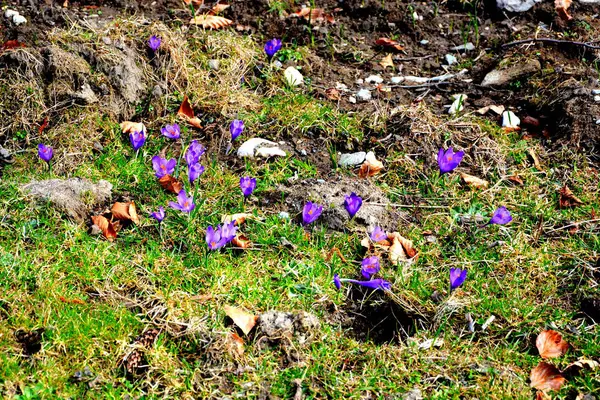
(152, 313)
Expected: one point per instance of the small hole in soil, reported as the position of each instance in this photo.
(375, 316)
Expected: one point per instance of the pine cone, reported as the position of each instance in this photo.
(134, 362)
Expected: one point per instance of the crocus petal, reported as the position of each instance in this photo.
(378, 234)
(457, 277)
(370, 266)
(501, 216)
(337, 282)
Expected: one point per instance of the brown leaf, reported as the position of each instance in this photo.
(332, 94)
(536, 160)
(561, 7)
(219, 8)
(235, 344)
(550, 344)
(107, 227)
(575, 367)
(496, 109)
(314, 15)
(531, 121)
(406, 244)
(387, 61)
(370, 167)
(568, 199)
(43, 126)
(240, 240)
(196, 3)
(542, 396)
(186, 112)
(211, 21)
(516, 179)
(396, 252)
(171, 184)
(129, 127)
(385, 42)
(239, 218)
(244, 320)
(11, 44)
(474, 181)
(125, 212)
(546, 377)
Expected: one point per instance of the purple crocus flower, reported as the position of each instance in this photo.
(311, 212)
(375, 284)
(162, 166)
(171, 131)
(247, 185)
(501, 216)
(154, 42)
(137, 139)
(448, 160)
(272, 47)
(158, 215)
(228, 231)
(184, 203)
(194, 152)
(370, 266)
(352, 204)
(236, 128)
(457, 277)
(214, 240)
(45, 152)
(378, 234)
(194, 172)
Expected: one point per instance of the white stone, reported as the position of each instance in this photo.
(424, 42)
(464, 47)
(374, 79)
(293, 77)
(363, 95)
(596, 91)
(351, 159)
(340, 86)
(510, 120)
(597, 99)
(397, 79)
(458, 105)
(19, 19)
(360, 81)
(516, 5)
(259, 147)
(10, 13)
(352, 99)
(450, 59)
(277, 64)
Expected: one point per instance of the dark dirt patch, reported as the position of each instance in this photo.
(31, 341)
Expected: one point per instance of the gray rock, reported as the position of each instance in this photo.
(214, 64)
(364, 95)
(277, 64)
(414, 394)
(73, 196)
(157, 91)
(351, 159)
(500, 77)
(396, 79)
(284, 215)
(5, 156)
(464, 47)
(277, 324)
(352, 99)
(516, 5)
(374, 79)
(86, 95)
(126, 77)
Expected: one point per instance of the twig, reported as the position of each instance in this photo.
(405, 205)
(550, 40)
(573, 224)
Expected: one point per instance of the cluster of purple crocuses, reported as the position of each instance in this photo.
(217, 238)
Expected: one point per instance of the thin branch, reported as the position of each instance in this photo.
(550, 40)
(573, 224)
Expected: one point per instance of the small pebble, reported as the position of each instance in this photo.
(360, 81)
(320, 180)
(424, 42)
(340, 86)
(303, 152)
(597, 98)
(374, 79)
(396, 79)
(464, 47)
(214, 64)
(277, 64)
(363, 95)
(351, 159)
(595, 91)
(352, 99)
(450, 59)
(284, 215)
(19, 19)
(106, 40)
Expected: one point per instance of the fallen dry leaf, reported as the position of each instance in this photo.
(568, 199)
(516, 179)
(575, 367)
(43, 126)
(107, 227)
(219, 8)
(129, 127)
(387, 61)
(496, 109)
(407, 245)
(11, 44)
(370, 167)
(235, 344)
(314, 15)
(186, 112)
(171, 184)
(332, 94)
(125, 212)
(542, 396)
(474, 181)
(536, 160)
(239, 218)
(195, 3)
(546, 377)
(561, 7)
(244, 320)
(240, 240)
(550, 344)
(211, 21)
(389, 43)
(396, 252)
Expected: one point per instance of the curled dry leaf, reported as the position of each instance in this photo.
(238, 218)
(550, 344)
(387, 61)
(171, 184)
(332, 94)
(125, 212)
(385, 42)
(235, 344)
(187, 113)
(561, 7)
(575, 367)
(211, 21)
(401, 248)
(244, 320)
(535, 158)
(107, 227)
(546, 377)
(240, 240)
(474, 181)
(516, 179)
(219, 8)
(542, 396)
(314, 15)
(496, 109)
(370, 167)
(129, 127)
(396, 252)
(11, 44)
(568, 199)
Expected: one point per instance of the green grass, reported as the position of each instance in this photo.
(94, 297)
